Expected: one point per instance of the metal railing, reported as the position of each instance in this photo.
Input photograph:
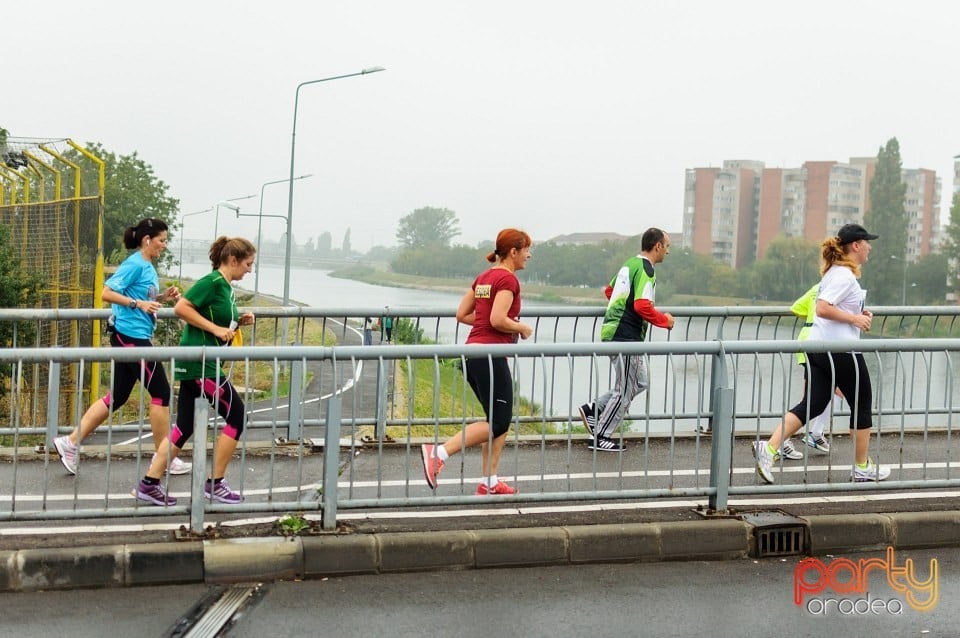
(354, 416)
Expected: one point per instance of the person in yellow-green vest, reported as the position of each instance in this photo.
(806, 308)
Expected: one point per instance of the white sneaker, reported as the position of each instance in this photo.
(179, 467)
(764, 461)
(789, 452)
(872, 472)
(67, 452)
(817, 442)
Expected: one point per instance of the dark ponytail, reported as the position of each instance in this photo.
(149, 227)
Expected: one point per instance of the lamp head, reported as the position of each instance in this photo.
(230, 205)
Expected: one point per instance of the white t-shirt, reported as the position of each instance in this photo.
(840, 289)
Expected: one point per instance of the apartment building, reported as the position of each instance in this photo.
(735, 211)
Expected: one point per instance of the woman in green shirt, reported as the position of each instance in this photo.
(210, 311)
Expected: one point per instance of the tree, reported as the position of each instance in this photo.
(11, 159)
(428, 227)
(325, 244)
(131, 192)
(689, 273)
(951, 245)
(887, 218)
(347, 250)
(927, 280)
(19, 288)
(787, 270)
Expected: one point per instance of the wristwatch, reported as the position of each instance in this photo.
(133, 304)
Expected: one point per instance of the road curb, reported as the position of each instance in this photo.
(279, 558)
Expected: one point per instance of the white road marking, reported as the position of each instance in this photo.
(417, 480)
(50, 530)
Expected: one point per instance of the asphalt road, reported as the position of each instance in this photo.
(742, 599)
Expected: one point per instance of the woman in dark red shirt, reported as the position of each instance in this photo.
(492, 307)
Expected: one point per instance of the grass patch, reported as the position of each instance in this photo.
(443, 395)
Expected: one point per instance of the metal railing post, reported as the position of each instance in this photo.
(295, 411)
(722, 426)
(380, 429)
(200, 415)
(53, 403)
(331, 463)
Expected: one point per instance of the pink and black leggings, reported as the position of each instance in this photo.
(127, 373)
(224, 398)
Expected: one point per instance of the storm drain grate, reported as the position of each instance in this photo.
(779, 541)
(776, 533)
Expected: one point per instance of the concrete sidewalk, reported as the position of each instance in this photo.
(341, 553)
(133, 552)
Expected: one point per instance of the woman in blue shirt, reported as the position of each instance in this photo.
(134, 292)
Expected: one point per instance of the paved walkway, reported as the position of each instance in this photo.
(142, 549)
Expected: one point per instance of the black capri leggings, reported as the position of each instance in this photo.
(847, 372)
(127, 373)
(498, 391)
(224, 398)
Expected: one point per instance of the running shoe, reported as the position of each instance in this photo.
(817, 442)
(68, 453)
(178, 467)
(154, 494)
(221, 492)
(764, 461)
(606, 444)
(872, 472)
(789, 451)
(499, 488)
(431, 464)
(588, 412)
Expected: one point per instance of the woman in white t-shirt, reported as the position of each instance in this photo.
(840, 317)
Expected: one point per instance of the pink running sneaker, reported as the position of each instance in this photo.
(499, 488)
(431, 464)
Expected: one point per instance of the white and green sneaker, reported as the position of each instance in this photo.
(872, 472)
(764, 461)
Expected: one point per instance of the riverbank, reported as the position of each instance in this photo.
(531, 291)
(561, 295)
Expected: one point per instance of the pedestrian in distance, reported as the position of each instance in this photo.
(840, 316)
(367, 331)
(134, 294)
(212, 319)
(630, 312)
(492, 308)
(388, 327)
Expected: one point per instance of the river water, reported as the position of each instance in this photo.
(765, 385)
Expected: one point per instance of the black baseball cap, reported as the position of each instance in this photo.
(850, 233)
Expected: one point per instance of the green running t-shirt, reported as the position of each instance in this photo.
(212, 296)
(636, 279)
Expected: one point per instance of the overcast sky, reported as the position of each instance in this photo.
(552, 116)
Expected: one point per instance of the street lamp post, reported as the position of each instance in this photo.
(183, 217)
(256, 279)
(903, 290)
(293, 142)
(903, 297)
(227, 203)
(216, 221)
(256, 288)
